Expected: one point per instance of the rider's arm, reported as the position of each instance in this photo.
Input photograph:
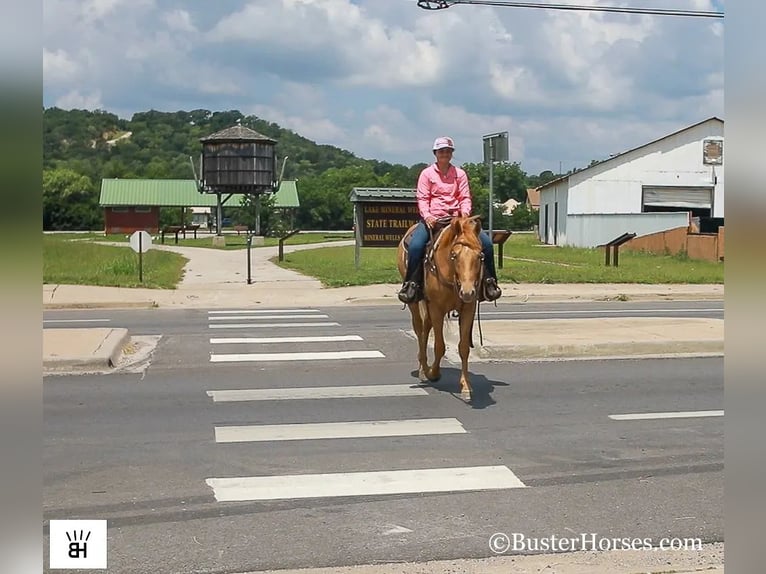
(424, 196)
(464, 193)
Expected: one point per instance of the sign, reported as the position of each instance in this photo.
(496, 147)
(140, 241)
(712, 152)
(383, 224)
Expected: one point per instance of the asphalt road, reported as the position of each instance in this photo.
(166, 322)
(140, 450)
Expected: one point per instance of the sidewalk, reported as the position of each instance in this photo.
(218, 279)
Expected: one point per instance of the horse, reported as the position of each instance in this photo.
(452, 278)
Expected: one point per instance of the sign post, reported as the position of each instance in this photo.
(495, 149)
(140, 242)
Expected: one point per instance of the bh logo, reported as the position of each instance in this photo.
(77, 544)
(78, 549)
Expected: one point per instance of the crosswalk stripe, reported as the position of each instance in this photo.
(299, 486)
(264, 317)
(316, 393)
(668, 415)
(272, 325)
(356, 429)
(267, 340)
(307, 356)
(261, 311)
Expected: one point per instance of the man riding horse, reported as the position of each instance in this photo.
(443, 191)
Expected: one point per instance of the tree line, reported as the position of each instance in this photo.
(82, 147)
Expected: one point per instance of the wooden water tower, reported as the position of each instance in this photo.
(237, 160)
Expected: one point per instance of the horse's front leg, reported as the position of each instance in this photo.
(422, 328)
(464, 347)
(437, 320)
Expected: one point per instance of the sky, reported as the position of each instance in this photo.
(384, 78)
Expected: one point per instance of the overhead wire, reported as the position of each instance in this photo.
(442, 4)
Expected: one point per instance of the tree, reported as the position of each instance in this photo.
(70, 201)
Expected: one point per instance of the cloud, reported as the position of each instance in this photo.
(383, 78)
(74, 100)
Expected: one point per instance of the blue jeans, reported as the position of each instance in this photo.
(417, 250)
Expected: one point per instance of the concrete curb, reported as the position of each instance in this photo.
(104, 348)
(103, 305)
(687, 348)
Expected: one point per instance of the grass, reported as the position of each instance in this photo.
(86, 263)
(204, 239)
(525, 261)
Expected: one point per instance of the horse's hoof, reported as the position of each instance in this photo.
(434, 377)
(465, 396)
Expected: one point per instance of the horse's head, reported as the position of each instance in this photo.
(466, 256)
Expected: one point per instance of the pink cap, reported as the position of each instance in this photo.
(443, 142)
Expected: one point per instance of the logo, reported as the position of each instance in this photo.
(77, 544)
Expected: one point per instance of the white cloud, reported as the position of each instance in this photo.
(59, 66)
(74, 100)
(383, 78)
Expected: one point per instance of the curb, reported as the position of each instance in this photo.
(106, 356)
(689, 348)
(103, 305)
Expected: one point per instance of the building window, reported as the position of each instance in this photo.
(120, 209)
(143, 209)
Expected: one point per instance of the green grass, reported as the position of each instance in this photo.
(204, 239)
(86, 263)
(525, 261)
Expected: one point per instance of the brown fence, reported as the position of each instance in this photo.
(708, 246)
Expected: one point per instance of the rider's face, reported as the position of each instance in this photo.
(444, 154)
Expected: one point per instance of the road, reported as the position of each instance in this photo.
(542, 449)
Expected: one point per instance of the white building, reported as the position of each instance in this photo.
(655, 187)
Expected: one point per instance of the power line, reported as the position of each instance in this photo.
(442, 4)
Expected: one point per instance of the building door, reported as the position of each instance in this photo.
(698, 200)
(547, 229)
(556, 223)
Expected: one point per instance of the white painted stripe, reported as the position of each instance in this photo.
(76, 320)
(586, 311)
(273, 325)
(669, 415)
(308, 356)
(316, 393)
(266, 340)
(261, 311)
(264, 317)
(360, 429)
(363, 483)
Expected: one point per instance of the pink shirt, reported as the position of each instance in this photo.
(441, 195)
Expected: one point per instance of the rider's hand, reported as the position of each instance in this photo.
(430, 221)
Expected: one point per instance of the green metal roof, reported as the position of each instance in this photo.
(287, 195)
(161, 192)
(382, 194)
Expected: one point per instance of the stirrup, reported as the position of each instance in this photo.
(491, 290)
(409, 292)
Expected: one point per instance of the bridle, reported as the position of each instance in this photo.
(453, 258)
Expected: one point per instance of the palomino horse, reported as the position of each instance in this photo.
(452, 280)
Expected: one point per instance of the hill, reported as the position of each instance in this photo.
(82, 147)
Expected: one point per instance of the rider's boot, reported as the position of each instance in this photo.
(411, 290)
(490, 289)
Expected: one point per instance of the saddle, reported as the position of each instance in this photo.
(433, 241)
